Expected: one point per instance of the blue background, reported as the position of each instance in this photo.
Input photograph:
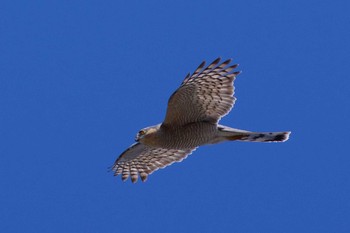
(80, 78)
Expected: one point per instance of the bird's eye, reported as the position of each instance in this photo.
(141, 132)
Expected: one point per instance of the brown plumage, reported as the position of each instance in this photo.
(191, 120)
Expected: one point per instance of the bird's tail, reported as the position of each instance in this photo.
(232, 134)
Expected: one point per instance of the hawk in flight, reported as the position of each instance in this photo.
(194, 111)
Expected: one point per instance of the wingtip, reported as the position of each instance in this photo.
(225, 63)
(201, 65)
(124, 178)
(217, 60)
(144, 177)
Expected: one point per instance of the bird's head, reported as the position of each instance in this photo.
(145, 132)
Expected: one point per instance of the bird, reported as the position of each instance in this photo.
(191, 120)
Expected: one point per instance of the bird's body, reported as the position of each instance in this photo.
(192, 117)
(181, 137)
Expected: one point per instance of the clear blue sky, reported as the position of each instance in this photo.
(78, 79)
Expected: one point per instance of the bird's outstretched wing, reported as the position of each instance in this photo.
(141, 160)
(206, 95)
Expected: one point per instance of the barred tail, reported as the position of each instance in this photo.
(260, 137)
(241, 135)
